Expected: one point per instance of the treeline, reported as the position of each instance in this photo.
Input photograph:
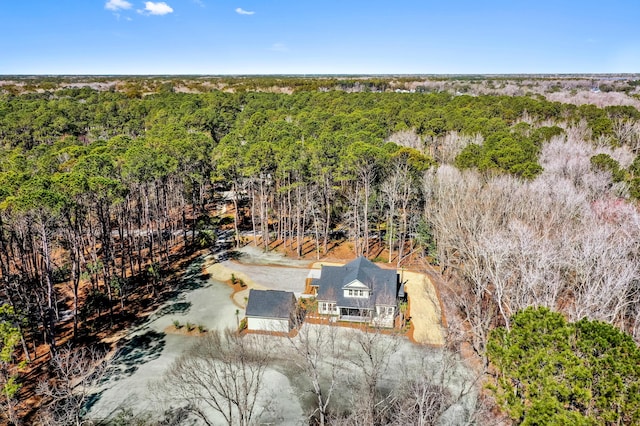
(113, 181)
(99, 187)
(511, 85)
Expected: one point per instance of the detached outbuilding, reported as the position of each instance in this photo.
(271, 310)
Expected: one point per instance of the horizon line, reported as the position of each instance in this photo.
(312, 75)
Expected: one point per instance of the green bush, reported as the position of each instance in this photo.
(243, 324)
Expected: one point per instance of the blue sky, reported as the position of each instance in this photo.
(311, 37)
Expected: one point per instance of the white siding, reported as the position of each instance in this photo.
(268, 324)
(328, 308)
(385, 310)
(357, 293)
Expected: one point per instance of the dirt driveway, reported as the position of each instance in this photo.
(424, 308)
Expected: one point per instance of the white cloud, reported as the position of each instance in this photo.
(117, 5)
(241, 11)
(279, 47)
(159, 8)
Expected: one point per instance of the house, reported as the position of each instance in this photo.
(271, 310)
(358, 292)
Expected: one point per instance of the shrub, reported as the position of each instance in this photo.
(308, 304)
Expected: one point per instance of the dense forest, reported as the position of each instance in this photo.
(520, 201)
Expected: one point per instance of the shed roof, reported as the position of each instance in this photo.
(270, 304)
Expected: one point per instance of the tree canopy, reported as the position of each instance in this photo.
(550, 371)
(100, 188)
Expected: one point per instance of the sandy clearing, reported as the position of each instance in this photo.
(273, 277)
(223, 271)
(424, 309)
(252, 255)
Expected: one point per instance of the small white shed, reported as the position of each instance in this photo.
(271, 310)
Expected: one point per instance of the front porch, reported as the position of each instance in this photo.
(355, 314)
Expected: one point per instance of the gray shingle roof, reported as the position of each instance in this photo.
(270, 303)
(383, 283)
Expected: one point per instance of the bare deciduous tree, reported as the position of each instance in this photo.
(452, 144)
(564, 240)
(628, 133)
(369, 353)
(76, 373)
(223, 372)
(419, 402)
(316, 355)
(408, 138)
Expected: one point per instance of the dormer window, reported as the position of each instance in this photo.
(356, 293)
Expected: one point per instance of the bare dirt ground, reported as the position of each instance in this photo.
(424, 309)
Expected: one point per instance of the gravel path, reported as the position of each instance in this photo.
(272, 277)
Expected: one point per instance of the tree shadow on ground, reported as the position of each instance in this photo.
(174, 308)
(91, 401)
(136, 351)
(234, 254)
(193, 277)
(128, 358)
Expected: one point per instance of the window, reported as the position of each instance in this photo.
(356, 293)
